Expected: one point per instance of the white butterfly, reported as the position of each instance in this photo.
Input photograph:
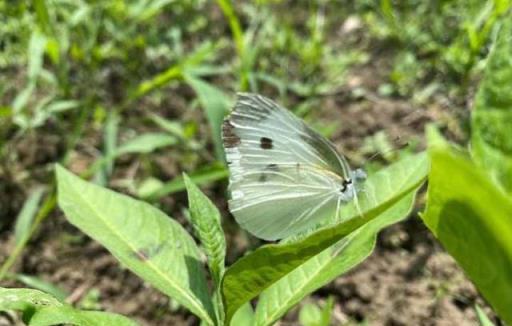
(284, 177)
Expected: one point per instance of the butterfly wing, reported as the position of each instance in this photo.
(284, 177)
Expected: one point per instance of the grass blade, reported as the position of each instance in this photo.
(215, 104)
(203, 176)
(26, 216)
(146, 143)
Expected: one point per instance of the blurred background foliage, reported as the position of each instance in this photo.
(132, 92)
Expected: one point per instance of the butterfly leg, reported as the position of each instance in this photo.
(370, 195)
(356, 204)
(337, 213)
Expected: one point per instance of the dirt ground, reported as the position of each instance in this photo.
(408, 280)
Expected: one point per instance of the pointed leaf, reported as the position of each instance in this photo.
(205, 218)
(275, 301)
(26, 215)
(202, 176)
(68, 315)
(472, 218)
(152, 245)
(40, 284)
(255, 272)
(25, 300)
(215, 104)
(146, 143)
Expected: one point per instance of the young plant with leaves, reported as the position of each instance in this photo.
(160, 251)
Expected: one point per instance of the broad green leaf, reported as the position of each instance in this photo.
(321, 269)
(252, 274)
(215, 104)
(25, 300)
(26, 215)
(146, 143)
(202, 176)
(491, 120)
(206, 220)
(41, 309)
(152, 245)
(39, 284)
(68, 315)
(473, 220)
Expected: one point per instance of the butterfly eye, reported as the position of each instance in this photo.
(345, 184)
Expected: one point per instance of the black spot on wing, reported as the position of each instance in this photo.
(272, 167)
(266, 143)
(229, 137)
(264, 175)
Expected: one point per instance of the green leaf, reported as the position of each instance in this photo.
(110, 131)
(152, 245)
(43, 18)
(244, 316)
(26, 216)
(472, 219)
(199, 55)
(41, 309)
(203, 176)
(206, 220)
(321, 269)
(312, 315)
(491, 120)
(68, 315)
(146, 143)
(39, 284)
(255, 272)
(35, 54)
(26, 300)
(215, 104)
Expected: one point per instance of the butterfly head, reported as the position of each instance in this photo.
(350, 186)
